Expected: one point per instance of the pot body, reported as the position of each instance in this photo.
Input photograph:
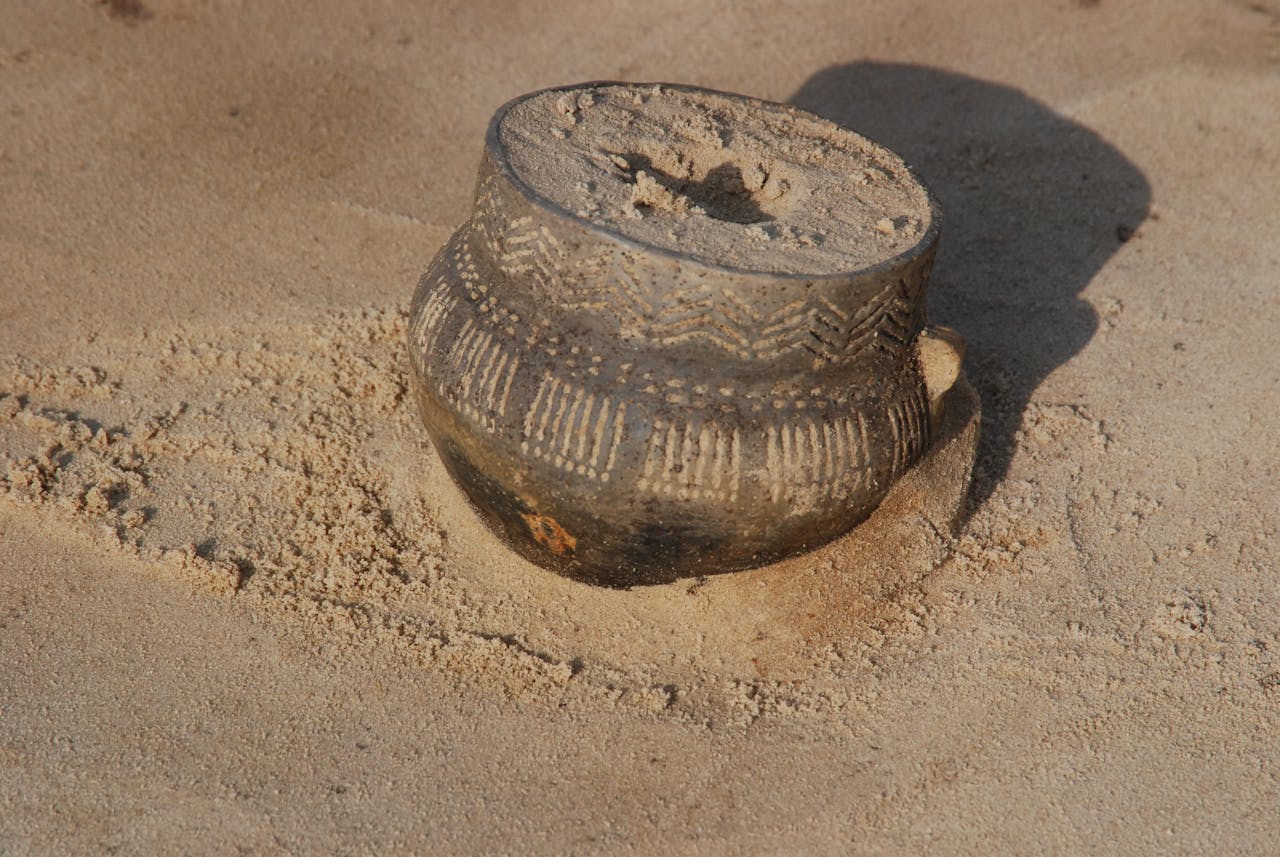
(625, 416)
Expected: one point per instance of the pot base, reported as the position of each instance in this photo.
(928, 501)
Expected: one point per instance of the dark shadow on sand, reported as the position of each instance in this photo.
(1033, 205)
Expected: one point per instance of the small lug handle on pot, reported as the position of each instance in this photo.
(940, 351)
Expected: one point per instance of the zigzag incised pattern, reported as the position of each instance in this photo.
(602, 282)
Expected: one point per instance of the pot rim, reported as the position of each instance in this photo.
(497, 154)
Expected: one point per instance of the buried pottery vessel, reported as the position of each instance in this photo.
(682, 332)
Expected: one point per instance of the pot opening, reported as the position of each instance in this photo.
(727, 180)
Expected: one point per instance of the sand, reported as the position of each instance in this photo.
(744, 185)
(242, 608)
(285, 466)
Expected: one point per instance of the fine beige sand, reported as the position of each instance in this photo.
(243, 610)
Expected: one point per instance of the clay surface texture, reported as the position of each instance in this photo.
(627, 405)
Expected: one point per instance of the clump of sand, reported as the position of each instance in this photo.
(736, 183)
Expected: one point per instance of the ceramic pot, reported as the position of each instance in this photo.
(629, 414)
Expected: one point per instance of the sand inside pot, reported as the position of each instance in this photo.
(732, 182)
